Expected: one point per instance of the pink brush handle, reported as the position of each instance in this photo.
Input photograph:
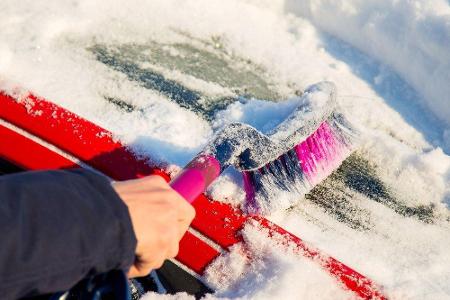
(196, 177)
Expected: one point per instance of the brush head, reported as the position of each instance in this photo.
(291, 159)
(282, 182)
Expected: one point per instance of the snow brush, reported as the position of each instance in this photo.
(283, 165)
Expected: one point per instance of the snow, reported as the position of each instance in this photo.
(273, 273)
(411, 37)
(269, 113)
(390, 60)
(178, 296)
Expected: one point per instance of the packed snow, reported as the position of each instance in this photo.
(385, 212)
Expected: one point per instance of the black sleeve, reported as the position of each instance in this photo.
(56, 227)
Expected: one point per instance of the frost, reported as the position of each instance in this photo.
(389, 59)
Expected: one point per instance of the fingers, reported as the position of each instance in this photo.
(133, 272)
(186, 214)
(147, 262)
(184, 210)
(140, 269)
(160, 217)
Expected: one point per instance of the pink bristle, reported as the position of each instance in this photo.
(315, 162)
(318, 156)
(303, 154)
(249, 186)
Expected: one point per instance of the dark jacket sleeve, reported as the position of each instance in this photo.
(56, 227)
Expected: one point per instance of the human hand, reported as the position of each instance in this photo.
(160, 218)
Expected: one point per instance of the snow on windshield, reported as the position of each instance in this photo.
(164, 75)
